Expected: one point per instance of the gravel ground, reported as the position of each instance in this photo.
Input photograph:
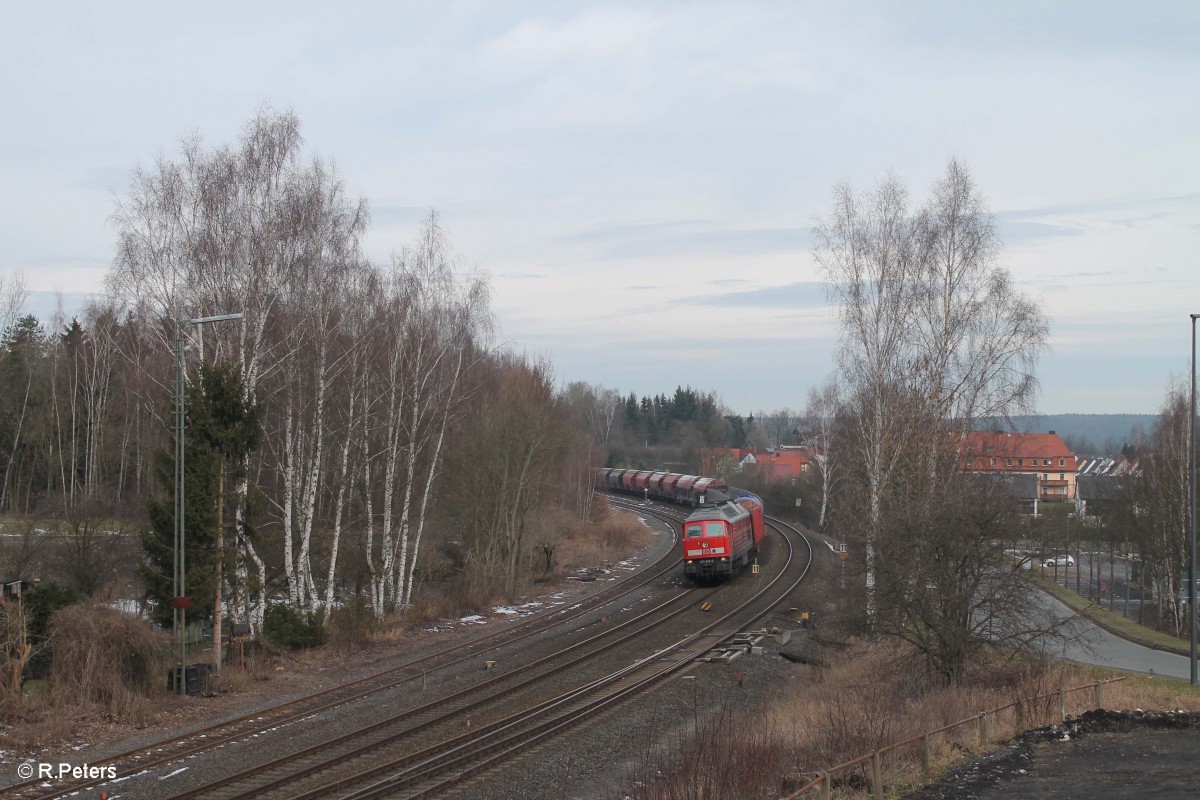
(301, 678)
(594, 763)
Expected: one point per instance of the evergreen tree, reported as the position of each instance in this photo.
(221, 426)
(737, 431)
(632, 416)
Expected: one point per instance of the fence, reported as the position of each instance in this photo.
(1023, 711)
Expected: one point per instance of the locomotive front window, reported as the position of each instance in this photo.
(694, 531)
(714, 529)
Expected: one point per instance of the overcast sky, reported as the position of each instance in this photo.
(640, 179)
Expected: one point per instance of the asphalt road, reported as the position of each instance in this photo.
(1099, 647)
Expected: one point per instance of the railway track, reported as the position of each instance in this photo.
(426, 750)
(231, 731)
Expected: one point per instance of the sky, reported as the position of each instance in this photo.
(640, 180)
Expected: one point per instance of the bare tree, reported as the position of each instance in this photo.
(948, 587)
(1156, 507)
(866, 250)
(514, 452)
(976, 338)
(13, 295)
(934, 336)
(821, 415)
(779, 426)
(594, 409)
(236, 229)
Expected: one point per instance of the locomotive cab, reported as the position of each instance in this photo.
(716, 540)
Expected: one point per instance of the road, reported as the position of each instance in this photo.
(1101, 648)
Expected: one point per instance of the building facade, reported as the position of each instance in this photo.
(1043, 455)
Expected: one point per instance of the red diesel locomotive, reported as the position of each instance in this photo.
(720, 537)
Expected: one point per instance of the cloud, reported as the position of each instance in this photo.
(1018, 231)
(805, 294)
(1106, 205)
(388, 215)
(538, 43)
(44, 305)
(609, 233)
(688, 238)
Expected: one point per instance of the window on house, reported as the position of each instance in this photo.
(1010, 462)
(1020, 462)
(1062, 462)
(1062, 476)
(1047, 463)
(993, 462)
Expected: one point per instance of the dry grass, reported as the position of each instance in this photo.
(734, 755)
(469, 591)
(876, 696)
(105, 667)
(107, 661)
(610, 536)
(37, 727)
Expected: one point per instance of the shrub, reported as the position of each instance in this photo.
(294, 629)
(104, 658)
(43, 601)
(40, 605)
(351, 625)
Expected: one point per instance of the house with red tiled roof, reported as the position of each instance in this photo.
(1044, 455)
(779, 463)
(772, 463)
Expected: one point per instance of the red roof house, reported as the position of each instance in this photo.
(1045, 455)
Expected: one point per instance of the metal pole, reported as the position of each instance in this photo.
(1192, 485)
(179, 585)
(180, 494)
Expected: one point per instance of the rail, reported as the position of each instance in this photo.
(246, 726)
(873, 762)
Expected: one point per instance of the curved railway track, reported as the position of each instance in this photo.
(426, 750)
(226, 732)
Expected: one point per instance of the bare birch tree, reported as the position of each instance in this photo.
(934, 335)
(866, 250)
(235, 229)
(436, 320)
(821, 415)
(13, 295)
(976, 338)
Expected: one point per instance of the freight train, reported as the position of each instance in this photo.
(720, 537)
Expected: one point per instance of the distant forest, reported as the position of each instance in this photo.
(1091, 434)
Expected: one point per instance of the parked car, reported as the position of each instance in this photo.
(1059, 561)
